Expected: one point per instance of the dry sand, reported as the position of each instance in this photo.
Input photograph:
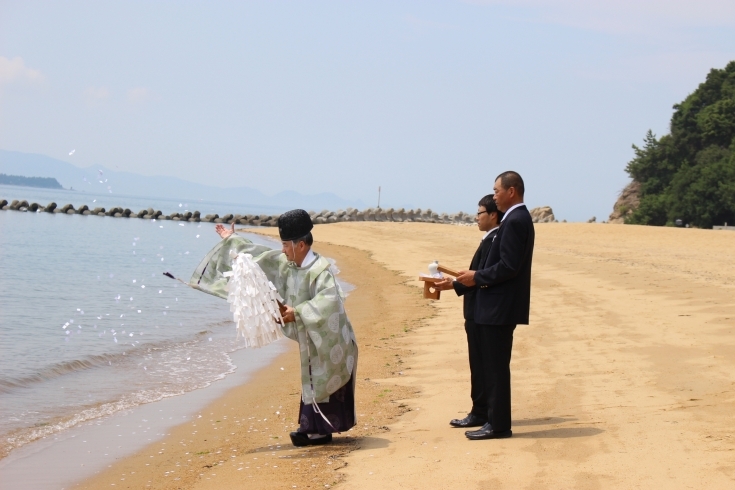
(625, 377)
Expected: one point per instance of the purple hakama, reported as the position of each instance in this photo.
(339, 410)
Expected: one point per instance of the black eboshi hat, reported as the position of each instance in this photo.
(294, 224)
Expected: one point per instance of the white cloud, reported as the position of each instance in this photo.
(138, 94)
(625, 15)
(12, 70)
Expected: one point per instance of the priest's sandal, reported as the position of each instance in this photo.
(300, 439)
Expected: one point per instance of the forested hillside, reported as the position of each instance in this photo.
(689, 174)
(47, 182)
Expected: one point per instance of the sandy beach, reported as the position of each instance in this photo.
(625, 377)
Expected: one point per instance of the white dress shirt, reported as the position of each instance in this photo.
(486, 234)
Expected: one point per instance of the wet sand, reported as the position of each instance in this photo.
(624, 379)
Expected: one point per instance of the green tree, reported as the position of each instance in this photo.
(689, 174)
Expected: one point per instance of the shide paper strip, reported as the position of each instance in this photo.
(253, 302)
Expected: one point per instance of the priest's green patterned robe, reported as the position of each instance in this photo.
(327, 344)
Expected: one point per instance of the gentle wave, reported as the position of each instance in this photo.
(52, 381)
(24, 436)
(57, 370)
(8, 385)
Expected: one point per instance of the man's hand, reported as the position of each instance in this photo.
(224, 232)
(288, 314)
(445, 284)
(467, 278)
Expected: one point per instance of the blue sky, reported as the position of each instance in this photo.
(429, 100)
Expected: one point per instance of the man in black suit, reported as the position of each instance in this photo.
(502, 300)
(488, 218)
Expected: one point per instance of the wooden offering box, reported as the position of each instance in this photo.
(430, 292)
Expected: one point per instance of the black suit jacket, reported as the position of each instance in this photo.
(477, 261)
(504, 281)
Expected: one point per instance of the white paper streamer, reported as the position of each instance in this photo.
(252, 299)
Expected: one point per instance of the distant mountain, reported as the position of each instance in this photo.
(98, 179)
(45, 182)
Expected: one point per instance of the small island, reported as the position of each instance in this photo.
(45, 182)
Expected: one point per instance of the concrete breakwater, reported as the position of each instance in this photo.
(542, 214)
(322, 217)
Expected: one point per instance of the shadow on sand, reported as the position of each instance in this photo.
(372, 442)
(559, 433)
(542, 421)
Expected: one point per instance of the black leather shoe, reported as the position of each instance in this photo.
(299, 439)
(471, 420)
(487, 432)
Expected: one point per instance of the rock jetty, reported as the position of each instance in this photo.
(540, 215)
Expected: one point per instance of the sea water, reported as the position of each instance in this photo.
(95, 197)
(90, 326)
